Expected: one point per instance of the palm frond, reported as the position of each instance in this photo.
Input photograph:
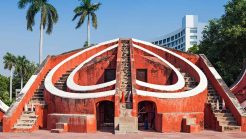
(78, 9)
(95, 7)
(52, 10)
(82, 19)
(23, 3)
(31, 12)
(9, 61)
(44, 12)
(50, 23)
(94, 20)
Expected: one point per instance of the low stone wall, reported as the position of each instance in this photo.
(84, 123)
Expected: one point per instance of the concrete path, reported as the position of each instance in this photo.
(44, 134)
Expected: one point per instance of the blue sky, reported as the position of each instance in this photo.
(141, 19)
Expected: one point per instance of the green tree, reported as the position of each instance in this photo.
(224, 40)
(4, 86)
(49, 17)
(86, 9)
(22, 65)
(9, 61)
(17, 79)
(194, 49)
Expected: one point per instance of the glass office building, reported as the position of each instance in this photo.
(182, 39)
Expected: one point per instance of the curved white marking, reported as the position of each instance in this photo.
(197, 90)
(178, 85)
(53, 90)
(73, 86)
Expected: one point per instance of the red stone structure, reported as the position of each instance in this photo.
(125, 85)
(239, 87)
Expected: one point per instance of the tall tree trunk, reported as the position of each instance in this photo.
(21, 82)
(41, 43)
(88, 31)
(11, 84)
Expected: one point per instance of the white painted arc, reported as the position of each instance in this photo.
(174, 87)
(75, 87)
(49, 86)
(195, 91)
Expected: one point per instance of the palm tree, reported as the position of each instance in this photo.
(9, 63)
(49, 17)
(21, 68)
(86, 9)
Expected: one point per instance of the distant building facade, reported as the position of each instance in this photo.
(185, 37)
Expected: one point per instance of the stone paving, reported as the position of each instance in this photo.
(45, 134)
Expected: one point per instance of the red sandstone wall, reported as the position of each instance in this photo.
(15, 112)
(93, 72)
(82, 124)
(157, 72)
(171, 111)
(1, 116)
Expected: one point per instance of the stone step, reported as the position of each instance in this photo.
(230, 128)
(38, 95)
(223, 114)
(213, 97)
(37, 98)
(37, 102)
(27, 118)
(23, 122)
(230, 118)
(234, 123)
(57, 130)
(22, 127)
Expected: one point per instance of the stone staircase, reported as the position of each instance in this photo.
(26, 121)
(28, 118)
(190, 82)
(61, 83)
(126, 122)
(224, 118)
(125, 86)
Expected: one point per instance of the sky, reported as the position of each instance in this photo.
(140, 19)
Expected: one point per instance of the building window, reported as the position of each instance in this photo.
(183, 32)
(193, 42)
(172, 38)
(179, 35)
(173, 44)
(109, 75)
(142, 75)
(193, 30)
(160, 42)
(176, 36)
(168, 39)
(156, 42)
(193, 37)
(164, 41)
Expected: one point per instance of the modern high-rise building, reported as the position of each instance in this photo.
(185, 37)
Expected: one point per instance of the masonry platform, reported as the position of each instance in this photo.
(125, 85)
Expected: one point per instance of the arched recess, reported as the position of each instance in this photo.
(147, 113)
(105, 116)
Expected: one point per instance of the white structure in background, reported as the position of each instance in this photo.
(3, 107)
(182, 39)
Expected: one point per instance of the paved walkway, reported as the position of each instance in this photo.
(44, 134)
